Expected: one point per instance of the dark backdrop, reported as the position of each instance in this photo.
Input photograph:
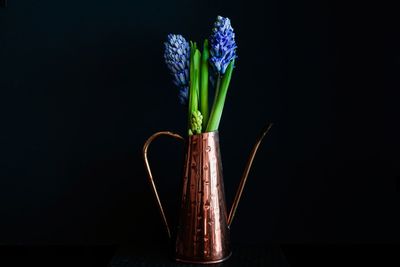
(83, 84)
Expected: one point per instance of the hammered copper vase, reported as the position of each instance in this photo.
(202, 233)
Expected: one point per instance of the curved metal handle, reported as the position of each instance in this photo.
(150, 176)
(246, 174)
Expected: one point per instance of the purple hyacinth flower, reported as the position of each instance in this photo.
(177, 56)
(183, 95)
(222, 45)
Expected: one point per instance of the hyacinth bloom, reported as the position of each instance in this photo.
(194, 70)
(222, 58)
(177, 56)
(222, 45)
(196, 123)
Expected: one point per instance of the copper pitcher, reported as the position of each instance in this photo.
(202, 233)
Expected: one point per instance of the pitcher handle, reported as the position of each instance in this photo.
(150, 176)
(246, 174)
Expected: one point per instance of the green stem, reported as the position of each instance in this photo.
(194, 83)
(218, 106)
(204, 84)
(191, 84)
(216, 91)
(218, 83)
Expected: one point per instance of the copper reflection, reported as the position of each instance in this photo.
(202, 234)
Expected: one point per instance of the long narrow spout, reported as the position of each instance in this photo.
(246, 174)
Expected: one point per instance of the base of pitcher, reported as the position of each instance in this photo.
(203, 261)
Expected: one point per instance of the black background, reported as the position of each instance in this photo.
(83, 84)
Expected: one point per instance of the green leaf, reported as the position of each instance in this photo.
(194, 82)
(218, 107)
(204, 84)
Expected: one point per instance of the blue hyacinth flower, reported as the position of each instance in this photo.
(222, 45)
(177, 56)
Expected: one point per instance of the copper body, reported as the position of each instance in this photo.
(202, 233)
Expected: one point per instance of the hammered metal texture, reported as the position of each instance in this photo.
(202, 234)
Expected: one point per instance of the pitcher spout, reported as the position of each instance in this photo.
(246, 174)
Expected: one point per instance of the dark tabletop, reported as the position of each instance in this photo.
(268, 255)
(243, 255)
(249, 255)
